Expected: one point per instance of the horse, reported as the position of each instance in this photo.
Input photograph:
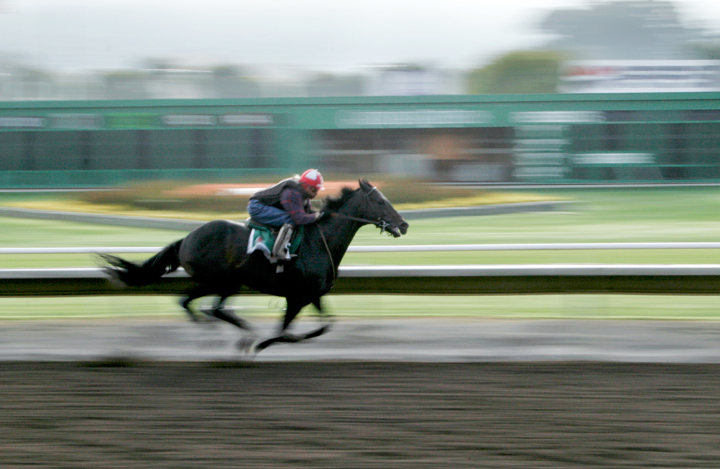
(215, 257)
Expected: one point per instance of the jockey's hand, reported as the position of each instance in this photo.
(319, 215)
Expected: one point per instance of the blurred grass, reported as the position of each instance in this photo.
(168, 200)
(597, 215)
(628, 256)
(375, 307)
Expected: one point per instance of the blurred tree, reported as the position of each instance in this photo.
(518, 72)
(709, 50)
(36, 84)
(326, 84)
(229, 82)
(622, 30)
(126, 85)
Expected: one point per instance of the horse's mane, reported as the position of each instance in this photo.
(333, 204)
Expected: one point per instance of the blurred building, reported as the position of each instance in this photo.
(626, 45)
(631, 46)
(390, 119)
(631, 76)
(412, 80)
(168, 79)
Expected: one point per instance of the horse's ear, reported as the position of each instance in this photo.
(365, 184)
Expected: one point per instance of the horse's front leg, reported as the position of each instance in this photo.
(326, 318)
(321, 312)
(291, 312)
(315, 333)
(293, 309)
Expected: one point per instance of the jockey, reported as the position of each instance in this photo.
(286, 205)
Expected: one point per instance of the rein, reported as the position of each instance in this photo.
(380, 224)
(327, 248)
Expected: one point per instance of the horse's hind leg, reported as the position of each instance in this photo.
(227, 315)
(195, 292)
(220, 312)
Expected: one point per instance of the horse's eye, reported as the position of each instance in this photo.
(381, 202)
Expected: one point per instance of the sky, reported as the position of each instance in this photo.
(331, 35)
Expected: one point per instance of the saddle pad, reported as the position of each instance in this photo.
(261, 240)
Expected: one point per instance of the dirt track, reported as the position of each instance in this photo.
(359, 414)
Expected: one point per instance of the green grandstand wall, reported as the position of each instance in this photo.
(554, 138)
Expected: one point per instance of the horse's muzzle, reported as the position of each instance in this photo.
(399, 230)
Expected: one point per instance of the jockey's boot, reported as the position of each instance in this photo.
(281, 248)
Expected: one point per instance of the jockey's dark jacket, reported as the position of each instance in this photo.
(272, 196)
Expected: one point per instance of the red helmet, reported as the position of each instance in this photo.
(312, 177)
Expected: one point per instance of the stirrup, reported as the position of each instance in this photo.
(281, 248)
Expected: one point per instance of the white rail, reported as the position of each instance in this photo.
(410, 248)
(411, 280)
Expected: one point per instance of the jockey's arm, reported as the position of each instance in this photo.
(293, 203)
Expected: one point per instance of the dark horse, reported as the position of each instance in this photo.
(215, 256)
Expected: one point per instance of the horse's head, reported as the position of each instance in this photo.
(378, 210)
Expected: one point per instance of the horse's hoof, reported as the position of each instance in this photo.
(261, 345)
(246, 345)
(196, 320)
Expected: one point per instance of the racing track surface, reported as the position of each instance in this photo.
(372, 394)
(359, 415)
(415, 340)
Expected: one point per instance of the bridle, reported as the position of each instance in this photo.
(382, 224)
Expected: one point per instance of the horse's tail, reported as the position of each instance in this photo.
(138, 275)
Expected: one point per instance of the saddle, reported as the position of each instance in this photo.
(262, 238)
